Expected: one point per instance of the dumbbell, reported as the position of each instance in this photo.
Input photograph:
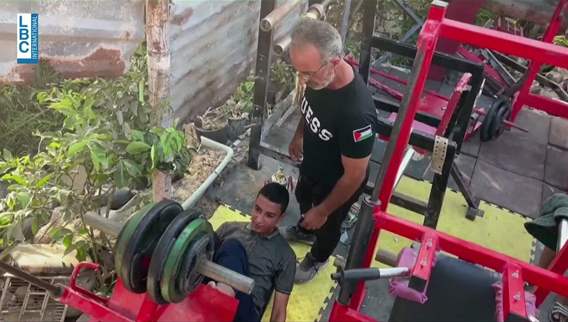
(166, 251)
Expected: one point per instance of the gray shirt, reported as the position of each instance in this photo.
(272, 262)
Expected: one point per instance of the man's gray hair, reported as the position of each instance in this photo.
(320, 34)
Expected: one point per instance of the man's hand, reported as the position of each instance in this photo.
(314, 219)
(296, 148)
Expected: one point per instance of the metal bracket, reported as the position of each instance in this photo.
(439, 154)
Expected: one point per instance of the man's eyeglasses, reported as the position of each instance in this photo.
(311, 74)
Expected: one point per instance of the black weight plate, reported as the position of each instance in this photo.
(162, 250)
(201, 249)
(125, 236)
(486, 131)
(172, 266)
(140, 247)
(503, 113)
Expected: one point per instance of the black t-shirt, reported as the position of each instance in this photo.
(337, 122)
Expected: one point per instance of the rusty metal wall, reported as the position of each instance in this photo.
(78, 38)
(213, 46)
(213, 43)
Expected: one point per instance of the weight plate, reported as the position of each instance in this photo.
(126, 234)
(162, 250)
(201, 249)
(503, 113)
(486, 131)
(136, 259)
(172, 266)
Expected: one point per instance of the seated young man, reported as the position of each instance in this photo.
(257, 250)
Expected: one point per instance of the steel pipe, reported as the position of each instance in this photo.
(272, 19)
(205, 267)
(281, 47)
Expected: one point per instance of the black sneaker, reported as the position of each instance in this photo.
(293, 233)
(307, 269)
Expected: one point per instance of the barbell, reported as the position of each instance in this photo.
(166, 251)
(495, 120)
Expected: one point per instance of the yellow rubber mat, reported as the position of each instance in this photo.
(307, 301)
(499, 229)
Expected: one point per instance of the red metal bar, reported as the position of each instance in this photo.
(524, 97)
(474, 253)
(149, 311)
(513, 295)
(342, 313)
(559, 265)
(391, 91)
(422, 269)
(487, 69)
(549, 105)
(96, 310)
(426, 44)
(534, 50)
(374, 71)
(453, 103)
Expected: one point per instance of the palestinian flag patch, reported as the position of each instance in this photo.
(362, 133)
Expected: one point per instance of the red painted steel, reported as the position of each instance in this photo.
(523, 97)
(488, 70)
(531, 49)
(516, 272)
(470, 252)
(202, 305)
(558, 265)
(425, 259)
(513, 295)
(426, 44)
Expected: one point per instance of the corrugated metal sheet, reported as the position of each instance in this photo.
(213, 43)
(213, 47)
(78, 38)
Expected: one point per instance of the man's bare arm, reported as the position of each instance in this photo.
(279, 307)
(300, 129)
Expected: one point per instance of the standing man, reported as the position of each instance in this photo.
(334, 140)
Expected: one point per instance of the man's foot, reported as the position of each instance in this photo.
(293, 233)
(308, 268)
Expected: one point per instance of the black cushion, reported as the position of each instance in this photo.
(458, 291)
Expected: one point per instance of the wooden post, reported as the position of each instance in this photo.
(158, 46)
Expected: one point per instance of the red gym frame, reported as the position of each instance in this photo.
(374, 216)
(554, 56)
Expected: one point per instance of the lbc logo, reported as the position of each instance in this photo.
(27, 38)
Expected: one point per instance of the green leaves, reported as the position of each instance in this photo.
(137, 147)
(76, 148)
(98, 157)
(102, 141)
(561, 40)
(14, 177)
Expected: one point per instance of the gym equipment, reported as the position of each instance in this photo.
(439, 128)
(183, 250)
(172, 290)
(186, 264)
(374, 217)
(494, 123)
(162, 250)
(137, 240)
